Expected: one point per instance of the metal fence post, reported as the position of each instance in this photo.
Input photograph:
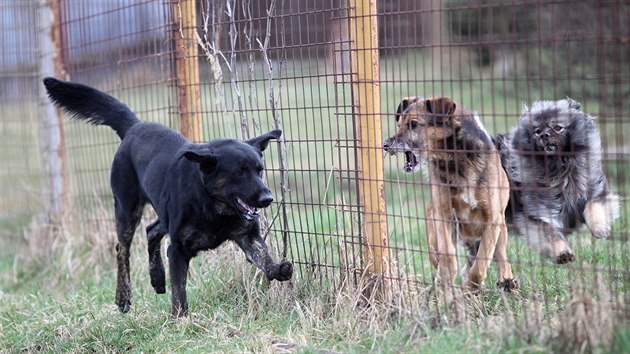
(52, 145)
(184, 14)
(368, 130)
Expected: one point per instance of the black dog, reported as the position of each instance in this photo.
(204, 194)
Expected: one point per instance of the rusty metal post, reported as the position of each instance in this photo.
(53, 144)
(184, 14)
(367, 120)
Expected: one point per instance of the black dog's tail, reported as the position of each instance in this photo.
(89, 104)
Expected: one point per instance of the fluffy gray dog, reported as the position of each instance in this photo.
(554, 163)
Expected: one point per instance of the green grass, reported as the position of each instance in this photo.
(65, 303)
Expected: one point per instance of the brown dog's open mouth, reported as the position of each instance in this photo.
(411, 162)
(248, 212)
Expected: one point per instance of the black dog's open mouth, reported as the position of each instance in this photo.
(550, 147)
(248, 212)
(411, 162)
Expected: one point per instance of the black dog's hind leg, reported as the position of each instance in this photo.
(155, 233)
(127, 219)
(256, 252)
(178, 263)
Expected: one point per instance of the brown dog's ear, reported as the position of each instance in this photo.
(404, 104)
(441, 108)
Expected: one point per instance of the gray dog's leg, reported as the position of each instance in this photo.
(601, 214)
(546, 238)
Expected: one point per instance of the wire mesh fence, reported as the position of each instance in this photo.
(296, 65)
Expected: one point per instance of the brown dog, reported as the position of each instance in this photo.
(469, 188)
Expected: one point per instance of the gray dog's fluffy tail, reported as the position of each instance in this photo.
(91, 105)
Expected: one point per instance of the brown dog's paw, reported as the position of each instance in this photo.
(507, 285)
(565, 257)
(472, 287)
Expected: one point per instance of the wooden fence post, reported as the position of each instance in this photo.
(52, 137)
(184, 14)
(367, 121)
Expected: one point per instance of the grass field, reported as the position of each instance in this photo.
(57, 286)
(66, 304)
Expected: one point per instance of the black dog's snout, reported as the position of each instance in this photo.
(545, 135)
(265, 199)
(386, 145)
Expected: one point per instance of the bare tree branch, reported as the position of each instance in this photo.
(211, 49)
(249, 32)
(234, 80)
(284, 183)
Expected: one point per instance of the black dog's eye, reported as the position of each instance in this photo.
(558, 129)
(259, 169)
(413, 124)
(536, 130)
(241, 171)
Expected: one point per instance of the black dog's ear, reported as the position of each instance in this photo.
(206, 159)
(261, 142)
(574, 104)
(404, 104)
(442, 108)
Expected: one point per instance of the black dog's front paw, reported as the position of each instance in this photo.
(281, 272)
(285, 271)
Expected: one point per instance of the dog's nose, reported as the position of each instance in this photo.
(265, 199)
(386, 145)
(545, 135)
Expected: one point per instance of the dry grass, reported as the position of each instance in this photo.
(589, 318)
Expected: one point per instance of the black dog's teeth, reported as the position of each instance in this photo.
(250, 212)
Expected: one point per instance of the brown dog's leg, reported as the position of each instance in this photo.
(446, 253)
(506, 279)
(485, 254)
(256, 252)
(432, 238)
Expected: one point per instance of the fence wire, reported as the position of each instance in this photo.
(288, 64)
